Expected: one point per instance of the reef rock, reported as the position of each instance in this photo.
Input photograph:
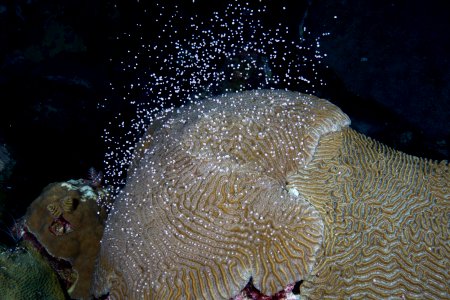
(273, 187)
(6, 163)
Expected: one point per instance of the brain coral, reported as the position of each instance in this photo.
(274, 186)
(25, 274)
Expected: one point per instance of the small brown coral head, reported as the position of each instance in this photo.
(67, 221)
(208, 204)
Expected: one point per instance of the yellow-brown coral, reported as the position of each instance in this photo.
(69, 226)
(273, 185)
(386, 217)
(25, 274)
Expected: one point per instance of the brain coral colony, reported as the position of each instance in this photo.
(273, 186)
(263, 194)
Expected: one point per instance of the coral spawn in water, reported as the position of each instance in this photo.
(177, 55)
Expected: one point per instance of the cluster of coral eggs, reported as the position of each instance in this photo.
(275, 187)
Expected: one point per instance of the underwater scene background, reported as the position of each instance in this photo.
(80, 81)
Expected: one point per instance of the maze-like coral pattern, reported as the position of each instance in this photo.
(273, 185)
(207, 208)
(386, 217)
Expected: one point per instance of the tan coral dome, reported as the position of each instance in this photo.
(274, 186)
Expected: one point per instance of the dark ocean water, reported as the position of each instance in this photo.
(386, 66)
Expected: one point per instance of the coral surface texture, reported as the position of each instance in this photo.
(274, 187)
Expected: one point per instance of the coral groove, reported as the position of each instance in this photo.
(386, 217)
(275, 187)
